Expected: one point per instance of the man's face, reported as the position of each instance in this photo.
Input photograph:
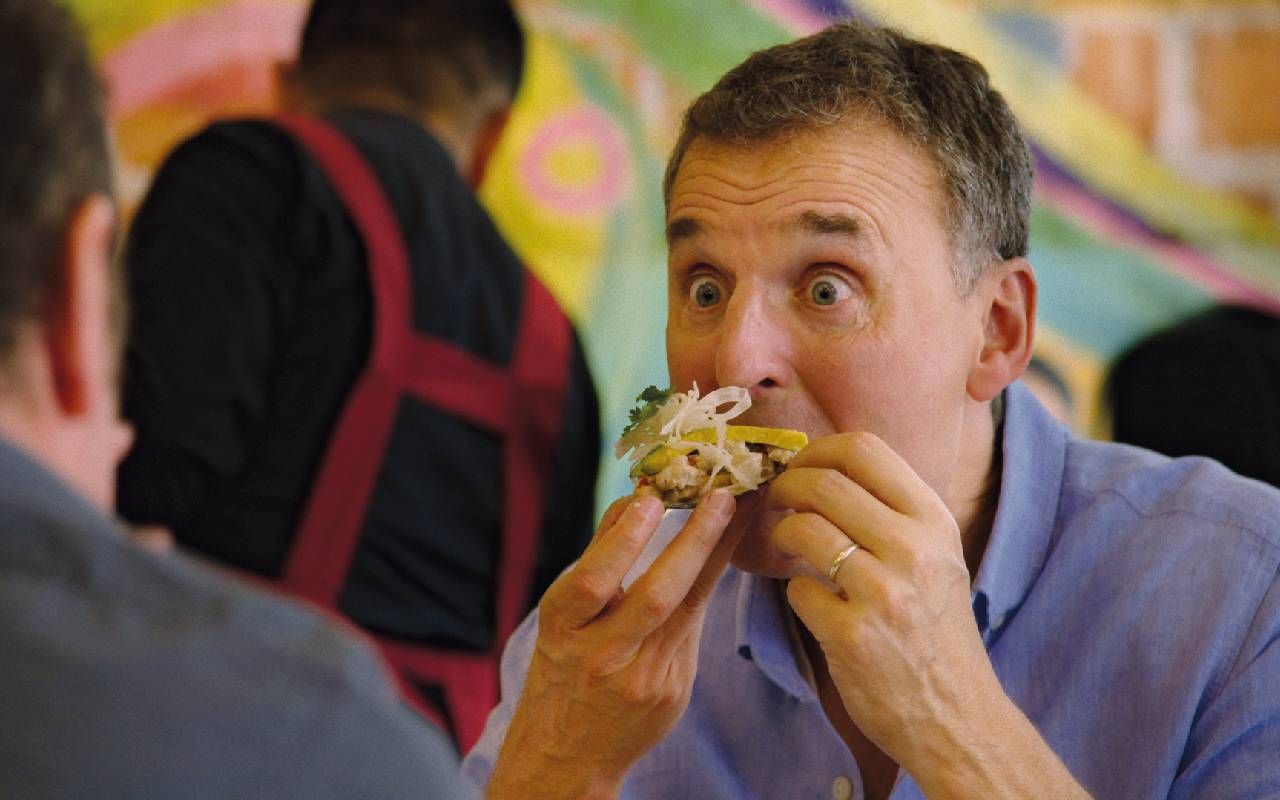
(815, 270)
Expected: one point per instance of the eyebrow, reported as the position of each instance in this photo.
(828, 224)
(810, 221)
(682, 228)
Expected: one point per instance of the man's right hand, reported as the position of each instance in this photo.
(612, 671)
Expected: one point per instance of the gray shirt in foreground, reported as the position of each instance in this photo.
(129, 674)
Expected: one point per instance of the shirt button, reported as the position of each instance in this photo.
(842, 788)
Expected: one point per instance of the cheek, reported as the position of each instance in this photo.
(839, 382)
(866, 386)
(690, 358)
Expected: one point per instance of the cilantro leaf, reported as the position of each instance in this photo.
(648, 403)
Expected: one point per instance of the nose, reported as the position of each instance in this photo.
(753, 344)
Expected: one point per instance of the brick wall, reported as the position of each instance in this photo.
(1200, 82)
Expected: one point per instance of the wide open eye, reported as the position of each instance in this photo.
(827, 289)
(705, 292)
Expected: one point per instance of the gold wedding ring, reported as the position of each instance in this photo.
(839, 560)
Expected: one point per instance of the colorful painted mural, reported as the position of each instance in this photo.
(1121, 246)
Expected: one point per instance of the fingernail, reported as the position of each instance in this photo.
(720, 500)
(646, 507)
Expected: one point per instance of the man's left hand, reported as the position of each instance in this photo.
(897, 629)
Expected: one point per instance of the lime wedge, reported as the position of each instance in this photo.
(774, 437)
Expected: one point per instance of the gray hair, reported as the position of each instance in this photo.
(936, 98)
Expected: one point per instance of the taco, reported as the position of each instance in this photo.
(682, 445)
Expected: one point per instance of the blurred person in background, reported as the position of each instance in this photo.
(946, 593)
(341, 377)
(124, 673)
(1208, 386)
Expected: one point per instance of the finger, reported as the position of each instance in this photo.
(699, 595)
(820, 609)
(814, 539)
(609, 519)
(664, 586)
(612, 513)
(583, 591)
(843, 502)
(875, 466)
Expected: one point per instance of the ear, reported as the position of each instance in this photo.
(1008, 293)
(486, 142)
(288, 90)
(78, 310)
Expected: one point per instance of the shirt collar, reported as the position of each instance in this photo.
(28, 484)
(1034, 456)
(50, 524)
(761, 636)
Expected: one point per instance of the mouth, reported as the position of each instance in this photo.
(769, 409)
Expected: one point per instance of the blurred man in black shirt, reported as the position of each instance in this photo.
(257, 326)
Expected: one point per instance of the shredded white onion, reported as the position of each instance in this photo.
(685, 413)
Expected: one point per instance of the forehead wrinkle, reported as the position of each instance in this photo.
(804, 150)
(794, 217)
(691, 192)
(893, 167)
(691, 203)
(690, 207)
(856, 224)
(707, 188)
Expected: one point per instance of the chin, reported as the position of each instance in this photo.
(755, 553)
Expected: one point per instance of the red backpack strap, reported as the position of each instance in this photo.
(339, 498)
(540, 367)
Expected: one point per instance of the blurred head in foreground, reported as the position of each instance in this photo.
(60, 314)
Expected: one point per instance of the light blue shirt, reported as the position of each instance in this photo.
(1129, 603)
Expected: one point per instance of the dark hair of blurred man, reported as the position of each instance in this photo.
(1207, 386)
(342, 377)
(124, 673)
(456, 66)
